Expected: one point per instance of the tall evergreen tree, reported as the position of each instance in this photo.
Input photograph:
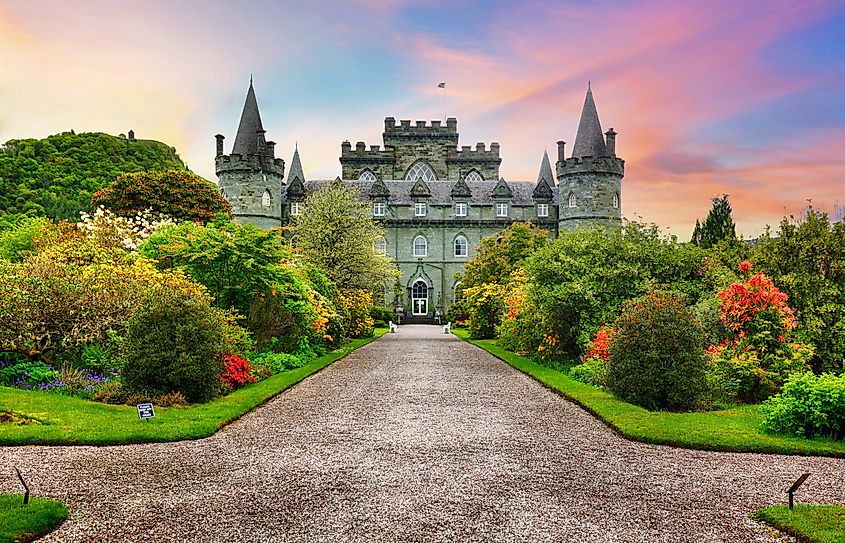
(719, 224)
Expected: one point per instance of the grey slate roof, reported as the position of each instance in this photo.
(590, 139)
(482, 191)
(546, 170)
(246, 141)
(296, 167)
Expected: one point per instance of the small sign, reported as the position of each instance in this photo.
(146, 411)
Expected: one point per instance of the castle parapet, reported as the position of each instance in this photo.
(590, 164)
(238, 163)
(480, 154)
(420, 128)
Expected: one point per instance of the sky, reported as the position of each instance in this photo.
(712, 97)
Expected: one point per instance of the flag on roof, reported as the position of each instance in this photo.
(441, 85)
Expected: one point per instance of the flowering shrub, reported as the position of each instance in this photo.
(764, 351)
(593, 367)
(600, 345)
(809, 406)
(236, 372)
(357, 303)
(127, 232)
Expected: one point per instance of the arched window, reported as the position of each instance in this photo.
(293, 242)
(616, 201)
(473, 176)
(265, 198)
(419, 297)
(457, 295)
(420, 246)
(367, 175)
(420, 170)
(461, 247)
(572, 202)
(381, 246)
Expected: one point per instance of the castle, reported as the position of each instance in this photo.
(436, 200)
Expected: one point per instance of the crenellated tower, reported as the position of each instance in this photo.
(251, 178)
(590, 181)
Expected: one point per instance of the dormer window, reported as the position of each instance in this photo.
(572, 202)
(378, 209)
(501, 210)
(542, 210)
(419, 209)
(616, 201)
(265, 199)
(460, 209)
(294, 208)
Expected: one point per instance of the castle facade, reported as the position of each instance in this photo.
(436, 199)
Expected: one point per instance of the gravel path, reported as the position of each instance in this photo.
(415, 437)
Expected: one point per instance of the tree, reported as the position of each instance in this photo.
(718, 225)
(177, 193)
(336, 232)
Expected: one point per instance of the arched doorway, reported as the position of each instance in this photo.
(419, 298)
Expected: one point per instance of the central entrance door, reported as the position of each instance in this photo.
(419, 298)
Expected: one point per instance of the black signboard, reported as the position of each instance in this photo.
(146, 411)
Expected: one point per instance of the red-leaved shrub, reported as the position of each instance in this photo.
(236, 372)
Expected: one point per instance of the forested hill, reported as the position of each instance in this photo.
(56, 176)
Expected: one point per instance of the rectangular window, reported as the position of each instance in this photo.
(501, 210)
(294, 208)
(460, 210)
(378, 209)
(542, 210)
(419, 209)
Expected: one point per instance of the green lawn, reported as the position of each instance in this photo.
(52, 419)
(809, 523)
(22, 523)
(735, 429)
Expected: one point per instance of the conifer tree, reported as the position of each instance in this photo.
(719, 224)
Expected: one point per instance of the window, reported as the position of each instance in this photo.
(381, 246)
(367, 175)
(460, 210)
(615, 201)
(294, 208)
(378, 209)
(265, 199)
(473, 176)
(501, 210)
(420, 170)
(420, 246)
(542, 210)
(458, 294)
(572, 201)
(461, 247)
(293, 242)
(419, 209)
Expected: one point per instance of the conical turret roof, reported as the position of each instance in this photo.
(546, 170)
(590, 139)
(246, 141)
(295, 171)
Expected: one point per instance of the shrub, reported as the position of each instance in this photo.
(236, 372)
(357, 303)
(175, 343)
(809, 406)
(655, 355)
(382, 313)
(19, 241)
(177, 193)
(111, 391)
(277, 362)
(260, 372)
(593, 371)
(708, 312)
(27, 375)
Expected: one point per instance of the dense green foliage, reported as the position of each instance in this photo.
(179, 194)
(809, 406)
(718, 226)
(738, 429)
(56, 176)
(65, 420)
(656, 359)
(18, 240)
(19, 522)
(808, 523)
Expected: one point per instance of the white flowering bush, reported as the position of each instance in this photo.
(128, 232)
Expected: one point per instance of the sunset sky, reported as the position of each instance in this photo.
(739, 97)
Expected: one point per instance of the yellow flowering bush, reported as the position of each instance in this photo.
(357, 303)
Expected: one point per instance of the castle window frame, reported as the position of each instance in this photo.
(473, 176)
(461, 246)
(292, 242)
(378, 209)
(295, 209)
(420, 209)
(380, 247)
(460, 209)
(420, 246)
(420, 170)
(266, 198)
(456, 292)
(615, 200)
(573, 202)
(542, 210)
(367, 175)
(501, 209)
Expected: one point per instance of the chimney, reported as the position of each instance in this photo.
(560, 153)
(220, 138)
(271, 149)
(610, 146)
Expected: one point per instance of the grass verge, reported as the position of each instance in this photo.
(735, 430)
(808, 523)
(21, 523)
(52, 419)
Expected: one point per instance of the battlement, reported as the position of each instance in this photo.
(374, 153)
(590, 164)
(420, 128)
(480, 154)
(236, 162)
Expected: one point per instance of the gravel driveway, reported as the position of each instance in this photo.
(415, 437)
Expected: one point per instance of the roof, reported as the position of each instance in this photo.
(246, 141)
(546, 170)
(482, 191)
(590, 139)
(296, 167)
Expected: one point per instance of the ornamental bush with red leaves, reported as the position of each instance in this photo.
(765, 351)
(179, 194)
(236, 372)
